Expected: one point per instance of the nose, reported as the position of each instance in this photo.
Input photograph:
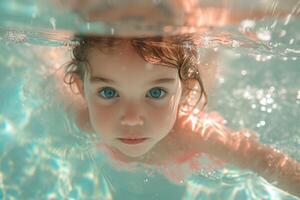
(132, 121)
(132, 115)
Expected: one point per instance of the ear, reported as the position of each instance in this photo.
(79, 84)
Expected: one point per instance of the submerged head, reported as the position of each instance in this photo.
(133, 87)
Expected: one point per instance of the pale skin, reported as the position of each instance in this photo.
(132, 111)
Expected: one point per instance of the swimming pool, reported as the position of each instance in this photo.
(45, 156)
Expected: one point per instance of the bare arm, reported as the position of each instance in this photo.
(246, 152)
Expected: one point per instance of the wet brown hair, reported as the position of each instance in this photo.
(180, 51)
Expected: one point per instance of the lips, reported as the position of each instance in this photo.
(132, 140)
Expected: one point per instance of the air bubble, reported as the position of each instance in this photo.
(261, 123)
(270, 100)
(269, 110)
(244, 72)
(16, 36)
(241, 122)
(263, 108)
(221, 80)
(263, 101)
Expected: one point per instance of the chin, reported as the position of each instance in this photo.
(134, 154)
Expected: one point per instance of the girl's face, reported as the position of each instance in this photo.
(132, 104)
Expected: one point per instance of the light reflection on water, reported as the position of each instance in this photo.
(44, 156)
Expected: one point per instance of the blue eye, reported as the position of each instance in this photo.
(157, 93)
(108, 93)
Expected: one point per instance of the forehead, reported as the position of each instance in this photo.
(122, 59)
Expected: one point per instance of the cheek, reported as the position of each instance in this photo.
(102, 117)
(165, 116)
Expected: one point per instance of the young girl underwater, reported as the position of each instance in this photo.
(145, 98)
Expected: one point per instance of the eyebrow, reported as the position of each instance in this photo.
(163, 80)
(95, 79)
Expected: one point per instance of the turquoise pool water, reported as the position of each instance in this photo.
(44, 156)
